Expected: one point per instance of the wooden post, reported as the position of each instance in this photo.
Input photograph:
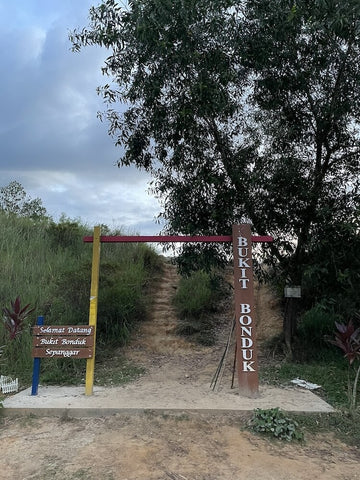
(246, 352)
(37, 363)
(94, 291)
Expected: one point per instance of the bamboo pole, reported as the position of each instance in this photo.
(94, 291)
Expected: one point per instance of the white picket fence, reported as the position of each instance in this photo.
(8, 385)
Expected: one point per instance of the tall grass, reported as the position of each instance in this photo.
(195, 302)
(194, 295)
(314, 326)
(48, 265)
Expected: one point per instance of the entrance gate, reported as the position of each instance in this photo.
(241, 238)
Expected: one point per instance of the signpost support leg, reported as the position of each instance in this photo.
(37, 363)
(94, 291)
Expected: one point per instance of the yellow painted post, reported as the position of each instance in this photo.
(94, 291)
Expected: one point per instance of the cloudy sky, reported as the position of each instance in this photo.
(51, 140)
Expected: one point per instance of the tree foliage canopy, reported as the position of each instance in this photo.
(14, 200)
(244, 111)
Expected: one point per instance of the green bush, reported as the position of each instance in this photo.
(314, 325)
(331, 276)
(194, 294)
(273, 422)
(65, 234)
(121, 305)
(62, 371)
(16, 359)
(69, 302)
(196, 302)
(126, 273)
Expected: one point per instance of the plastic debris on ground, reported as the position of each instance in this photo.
(305, 384)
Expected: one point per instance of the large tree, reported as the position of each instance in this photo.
(242, 111)
(15, 201)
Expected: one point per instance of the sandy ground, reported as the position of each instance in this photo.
(148, 446)
(177, 445)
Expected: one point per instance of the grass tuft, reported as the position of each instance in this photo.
(196, 301)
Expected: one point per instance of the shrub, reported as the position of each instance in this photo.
(315, 324)
(195, 302)
(194, 294)
(65, 234)
(124, 278)
(17, 360)
(332, 272)
(16, 353)
(347, 338)
(70, 299)
(273, 422)
(15, 316)
(121, 306)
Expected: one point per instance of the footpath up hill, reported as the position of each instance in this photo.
(156, 343)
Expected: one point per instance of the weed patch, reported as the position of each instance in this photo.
(274, 423)
(113, 370)
(195, 301)
(330, 375)
(343, 424)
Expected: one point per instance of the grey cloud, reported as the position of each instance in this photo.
(50, 138)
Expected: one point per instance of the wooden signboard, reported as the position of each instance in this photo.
(246, 352)
(55, 352)
(63, 341)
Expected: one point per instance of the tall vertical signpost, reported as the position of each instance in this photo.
(245, 330)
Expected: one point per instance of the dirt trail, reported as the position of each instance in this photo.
(157, 335)
(183, 446)
(166, 356)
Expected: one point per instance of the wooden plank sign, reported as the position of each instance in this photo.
(246, 351)
(63, 341)
(55, 352)
(83, 330)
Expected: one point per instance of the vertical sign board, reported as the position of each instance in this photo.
(246, 351)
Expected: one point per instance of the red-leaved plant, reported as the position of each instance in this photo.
(347, 338)
(14, 317)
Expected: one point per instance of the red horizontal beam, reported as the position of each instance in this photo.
(171, 238)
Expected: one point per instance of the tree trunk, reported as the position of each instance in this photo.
(290, 322)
